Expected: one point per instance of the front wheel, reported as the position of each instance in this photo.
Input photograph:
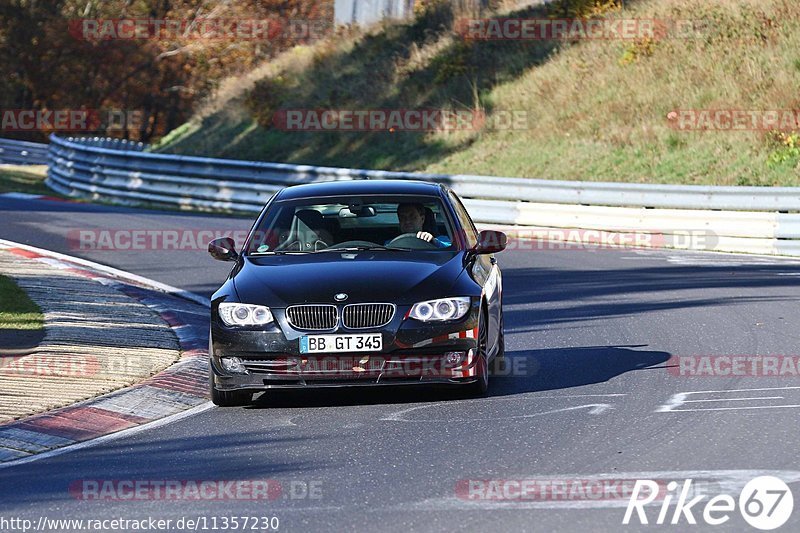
(501, 340)
(479, 387)
(228, 398)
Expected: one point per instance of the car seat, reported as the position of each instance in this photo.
(429, 224)
(311, 233)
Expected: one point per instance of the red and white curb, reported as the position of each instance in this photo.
(176, 392)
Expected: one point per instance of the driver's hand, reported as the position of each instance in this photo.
(425, 236)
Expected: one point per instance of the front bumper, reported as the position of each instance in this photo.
(413, 353)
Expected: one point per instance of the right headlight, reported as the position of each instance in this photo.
(235, 314)
(441, 309)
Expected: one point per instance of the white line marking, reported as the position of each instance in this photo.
(111, 436)
(738, 390)
(595, 409)
(114, 272)
(734, 408)
(499, 398)
(574, 396)
(678, 399)
(734, 399)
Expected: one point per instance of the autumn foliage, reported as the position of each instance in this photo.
(49, 63)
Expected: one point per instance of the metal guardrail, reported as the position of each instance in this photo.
(22, 153)
(110, 143)
(749, 219)
(367, 12)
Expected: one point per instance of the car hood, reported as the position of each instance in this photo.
(397, 277)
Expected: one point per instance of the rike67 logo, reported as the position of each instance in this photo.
(765, 503)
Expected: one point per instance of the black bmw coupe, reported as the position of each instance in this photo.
(364, 282)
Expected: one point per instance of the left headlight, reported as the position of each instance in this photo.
(234, 314)
(442, 309)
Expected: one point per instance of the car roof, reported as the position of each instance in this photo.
(360, 186)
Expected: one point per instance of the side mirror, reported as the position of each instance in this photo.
(223, 249)
(490, 242)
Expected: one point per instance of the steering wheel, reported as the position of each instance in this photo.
(297, 245)
(410, 240)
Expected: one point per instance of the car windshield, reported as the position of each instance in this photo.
(315, 225)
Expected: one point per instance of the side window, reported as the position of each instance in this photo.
(470, 233)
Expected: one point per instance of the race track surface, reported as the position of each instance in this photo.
(588, 336)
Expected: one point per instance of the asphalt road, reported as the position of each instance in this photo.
(589, 333)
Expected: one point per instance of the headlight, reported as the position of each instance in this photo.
(244, 314)
(443, 309)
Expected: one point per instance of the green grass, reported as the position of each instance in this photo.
(17, 311)
(596, 110)
(24, 178)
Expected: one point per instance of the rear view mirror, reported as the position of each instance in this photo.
(223, 249)
(357, 211)
(490, 242)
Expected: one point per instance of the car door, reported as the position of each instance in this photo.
(484, 270)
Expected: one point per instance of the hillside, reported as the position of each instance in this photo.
(592, 109)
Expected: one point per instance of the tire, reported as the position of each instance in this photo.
(501, 340)
(228, 398)
(481, 386)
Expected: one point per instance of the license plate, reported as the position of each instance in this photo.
(372, 342)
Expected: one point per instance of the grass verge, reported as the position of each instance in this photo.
(24, 178)
(596, 110)
(17, 311)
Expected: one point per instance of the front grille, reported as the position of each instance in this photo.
(277, 366)
(357, 316)
(312, 316)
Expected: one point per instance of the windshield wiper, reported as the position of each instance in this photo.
(279, 252)
(364, 248)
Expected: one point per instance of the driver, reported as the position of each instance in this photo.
(412, 220)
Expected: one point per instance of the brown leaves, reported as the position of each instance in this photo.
(150, 57)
